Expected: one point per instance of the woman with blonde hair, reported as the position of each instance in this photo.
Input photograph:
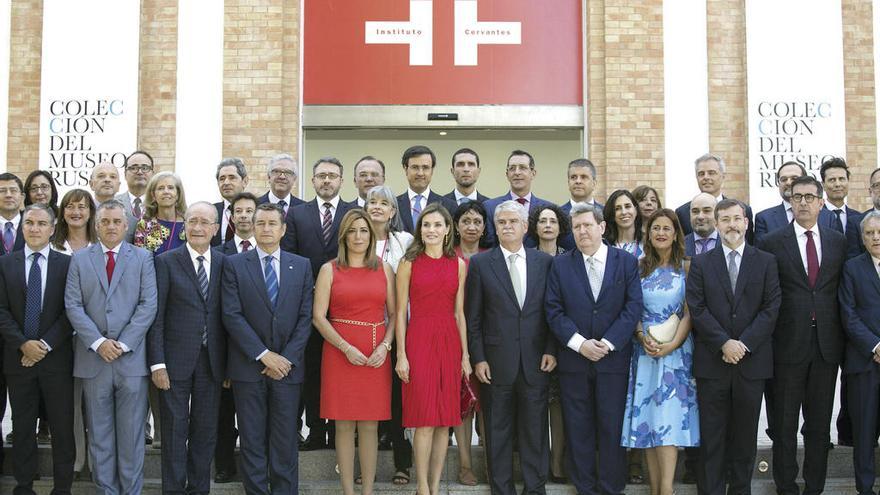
(161, 228)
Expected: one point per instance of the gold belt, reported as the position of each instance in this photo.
(360, 324)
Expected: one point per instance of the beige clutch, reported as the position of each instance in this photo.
(664, 332)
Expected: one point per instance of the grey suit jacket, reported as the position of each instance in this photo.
(132, 220)
(122, 309)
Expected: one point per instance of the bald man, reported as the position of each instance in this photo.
(703, 237)
(104, 182)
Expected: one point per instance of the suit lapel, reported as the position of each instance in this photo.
(341, 210)
(315, 217)
(100, 265)
(182, 255)
(532, 275)
(826, 255)
(580, 272)
(871, 270)
(122, 262)
(405, 212)
(608, 277)
(216, 273)
(499, 266)
(287, 279)
(745, 270)
(255, 269)
(791, 245)
(721, 272)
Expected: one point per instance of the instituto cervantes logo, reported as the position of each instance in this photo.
(418, 32)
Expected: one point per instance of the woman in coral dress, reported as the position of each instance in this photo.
(352, 294)
(432, 343)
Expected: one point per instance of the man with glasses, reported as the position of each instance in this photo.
(779, 216)
(466, 172)
(138, 171)
(808, 341)
(369, 172)
(520, 174)
(281, 173)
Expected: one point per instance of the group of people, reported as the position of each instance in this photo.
(600, 327)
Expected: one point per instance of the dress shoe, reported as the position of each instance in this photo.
(224, 477)
(313, 443)
(148, 439)
(385, 442)
(43, 437)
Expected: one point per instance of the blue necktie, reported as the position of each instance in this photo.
(8, 237)
(271, 280)
(34, 299)
(416, 210)
(203, 287)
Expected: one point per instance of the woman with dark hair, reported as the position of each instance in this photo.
(623, 225)
(353, 296)
(39, 188)
(547, 224)
(647, 201)
(161, 228)
(661, 404)
(470, 229)
(432, 347)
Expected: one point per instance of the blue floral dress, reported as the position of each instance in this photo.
(661, 399)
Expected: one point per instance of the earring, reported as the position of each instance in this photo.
(446, 238)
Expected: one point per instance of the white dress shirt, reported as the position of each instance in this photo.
(276, 265)
(238, 240)
(334, 204)
(458, 196)
(600, 258)
(527, 197)
(361, 202)
(43, 262)
(739, 250)
(573, 203)
(520, 265)
(97, 343)
(842, 209)
(412, 195)
(788, 213)
(801, 236)
(275, 199)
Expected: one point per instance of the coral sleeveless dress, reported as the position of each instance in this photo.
(433, 345)
(357, 312)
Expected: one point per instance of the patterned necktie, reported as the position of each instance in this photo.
(230, 229)
(111, 265)
(837, 223)
(703, 244)
(516, 279)
(202, 275)
(8, 237)
(283, 205)
(271, 279)
(732, 269)
(812, 260)
(136, 208)
(593, 275)
(326, 223)
(245, 245)
(33, 299)
(416, 209)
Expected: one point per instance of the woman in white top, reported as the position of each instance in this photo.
(75, 230)
(391, 239)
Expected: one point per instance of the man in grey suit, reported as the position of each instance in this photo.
(111, 303)
(138, 171)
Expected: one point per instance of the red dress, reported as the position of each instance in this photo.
(349, 392)
(433, 345)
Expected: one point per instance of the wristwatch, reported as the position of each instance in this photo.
(387, 346)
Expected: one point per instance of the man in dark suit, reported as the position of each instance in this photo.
(232, 178)
(512, 350)
(244, 205)
(187, 353)
(781, 215)
(703, 237)
(466, 172)
(418, 165)
(138, 171)
(267, 312)
(11, 239)
(38, 356)
(593, 303)
(369, 172)
(733, 353)
(581, 184)
(313, 233)
(808, 341)
(281, 173)
(860, 312)
(520, 174)
(709, 170)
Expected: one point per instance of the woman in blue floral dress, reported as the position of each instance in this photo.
(661, 404)
(161, 228)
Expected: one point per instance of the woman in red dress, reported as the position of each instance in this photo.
(353, 294)
(432, 352)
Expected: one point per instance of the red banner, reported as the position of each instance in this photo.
(477, 52)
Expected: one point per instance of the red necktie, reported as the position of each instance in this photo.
(521, 201)
(812, 260)
(245, 245)
(111, 264)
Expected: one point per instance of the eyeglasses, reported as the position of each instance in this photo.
(809, 198)
(281, 172)
(327, 176)
(40, 187)
(139, 168)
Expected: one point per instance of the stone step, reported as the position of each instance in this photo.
(836, 486)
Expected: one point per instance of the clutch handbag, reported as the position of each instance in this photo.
(664, 332)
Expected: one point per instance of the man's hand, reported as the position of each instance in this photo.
(277, 366)
(548, 363)
(161, 380)
(593, 349)
(484, 374)
(733, 351)
(34, 351)
(109, 350)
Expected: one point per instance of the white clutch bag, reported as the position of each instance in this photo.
(664, 332)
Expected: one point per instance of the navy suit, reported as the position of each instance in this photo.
(196, 371)
(683, 213)
(567, 241)
(18, 245)
(493, 203)
(860, 312)
(594, 394)
(729, 395)
(51, 379)
(219, 236)
(268, 407)
(404, 208)
(852, 231)
(774, 218)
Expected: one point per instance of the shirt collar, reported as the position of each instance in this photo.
(412, 194)
(132, 197)
(44, 252)
(601, 255)
(786, 205)
(590, 202)
(274, 199)
(831, 207)
(876, 262)
(15, 221)
(527, 197)
(713, 235)
(506, 253)
(361, 202)
(115, 250)
(195, 254)
(719, 198)
(740, 250)
(226, 205)
(250, 239)
(262, 254)
(458, 195)
(800, 231)
(334, 202)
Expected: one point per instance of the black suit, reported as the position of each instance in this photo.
(683, 213)
(51, 379)
(512, 340)
(304, 237)
(220, 237)
(808, 346)
(729, 395)
(404, 207)
(187, 336)
(18, 245)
